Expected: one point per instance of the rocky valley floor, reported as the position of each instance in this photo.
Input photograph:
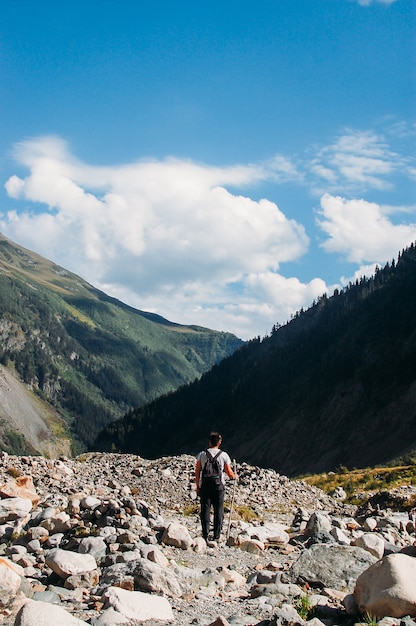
(115, 539)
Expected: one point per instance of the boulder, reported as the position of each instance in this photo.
(254, 546)
(372, 542)
(329, 565)
(177, 535)
(137, 605)
(317, 522)
(66, 563)
(388, 588)
(9, 581)
(20, 487)
(14, 508)
(37, 613)
(96, 546)
(57, 523)
(141, 575)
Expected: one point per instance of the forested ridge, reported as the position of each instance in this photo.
(336, 385)
(87, 354)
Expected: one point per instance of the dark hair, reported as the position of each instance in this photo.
(214, 439)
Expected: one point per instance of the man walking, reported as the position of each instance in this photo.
(210, 484)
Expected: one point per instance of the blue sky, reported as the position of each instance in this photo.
(219, 163)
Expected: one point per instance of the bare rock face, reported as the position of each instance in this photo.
(104, 537)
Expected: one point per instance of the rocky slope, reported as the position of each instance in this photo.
(109, 539)
(23, 414)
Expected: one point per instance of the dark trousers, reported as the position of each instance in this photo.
(212, 497)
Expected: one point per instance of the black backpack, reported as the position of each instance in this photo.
(212, 472)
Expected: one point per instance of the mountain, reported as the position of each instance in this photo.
(84, 358)
(335, 386)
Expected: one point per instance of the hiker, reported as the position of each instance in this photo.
(210, 484)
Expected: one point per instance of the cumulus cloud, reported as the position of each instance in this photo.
(174, 237)
(361, 231)
(167, 236)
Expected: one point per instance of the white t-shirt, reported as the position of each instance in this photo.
(223, 460)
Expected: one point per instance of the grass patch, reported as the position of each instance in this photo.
(245, 513)
(370, 620)
(13, 472)
(361, 484)
(304, 607)
(191, 509)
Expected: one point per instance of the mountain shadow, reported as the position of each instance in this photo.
(336, 385)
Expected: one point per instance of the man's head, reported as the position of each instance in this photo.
(215, 440)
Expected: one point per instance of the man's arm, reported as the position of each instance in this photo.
(230, 472)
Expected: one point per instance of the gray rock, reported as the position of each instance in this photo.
(317, 522)
(330, 565)
(109, 617)
(145, 575)
(95, 546)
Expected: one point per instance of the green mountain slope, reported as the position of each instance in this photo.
(336, 385)
(87, 354)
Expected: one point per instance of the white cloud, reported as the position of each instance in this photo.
(361, 231)
(358, 160)
(172, 236)
(366, 3)
(166, 236)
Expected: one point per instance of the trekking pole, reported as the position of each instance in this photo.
(232, 501)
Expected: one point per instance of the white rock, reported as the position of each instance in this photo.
(177, 535)
(372, 542)
(63, 469)
(137, 605)
(90, 502)
(231, 576)
(57, 523)
(387, 588)
(38, 613)
(254, 546)
(66, 563)
(14, 508)
(200, 545)
(340, 536)
(269, 532)
(153, 553)
(9, 581)
(370, 524)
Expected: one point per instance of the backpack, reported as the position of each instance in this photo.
(212, 472)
